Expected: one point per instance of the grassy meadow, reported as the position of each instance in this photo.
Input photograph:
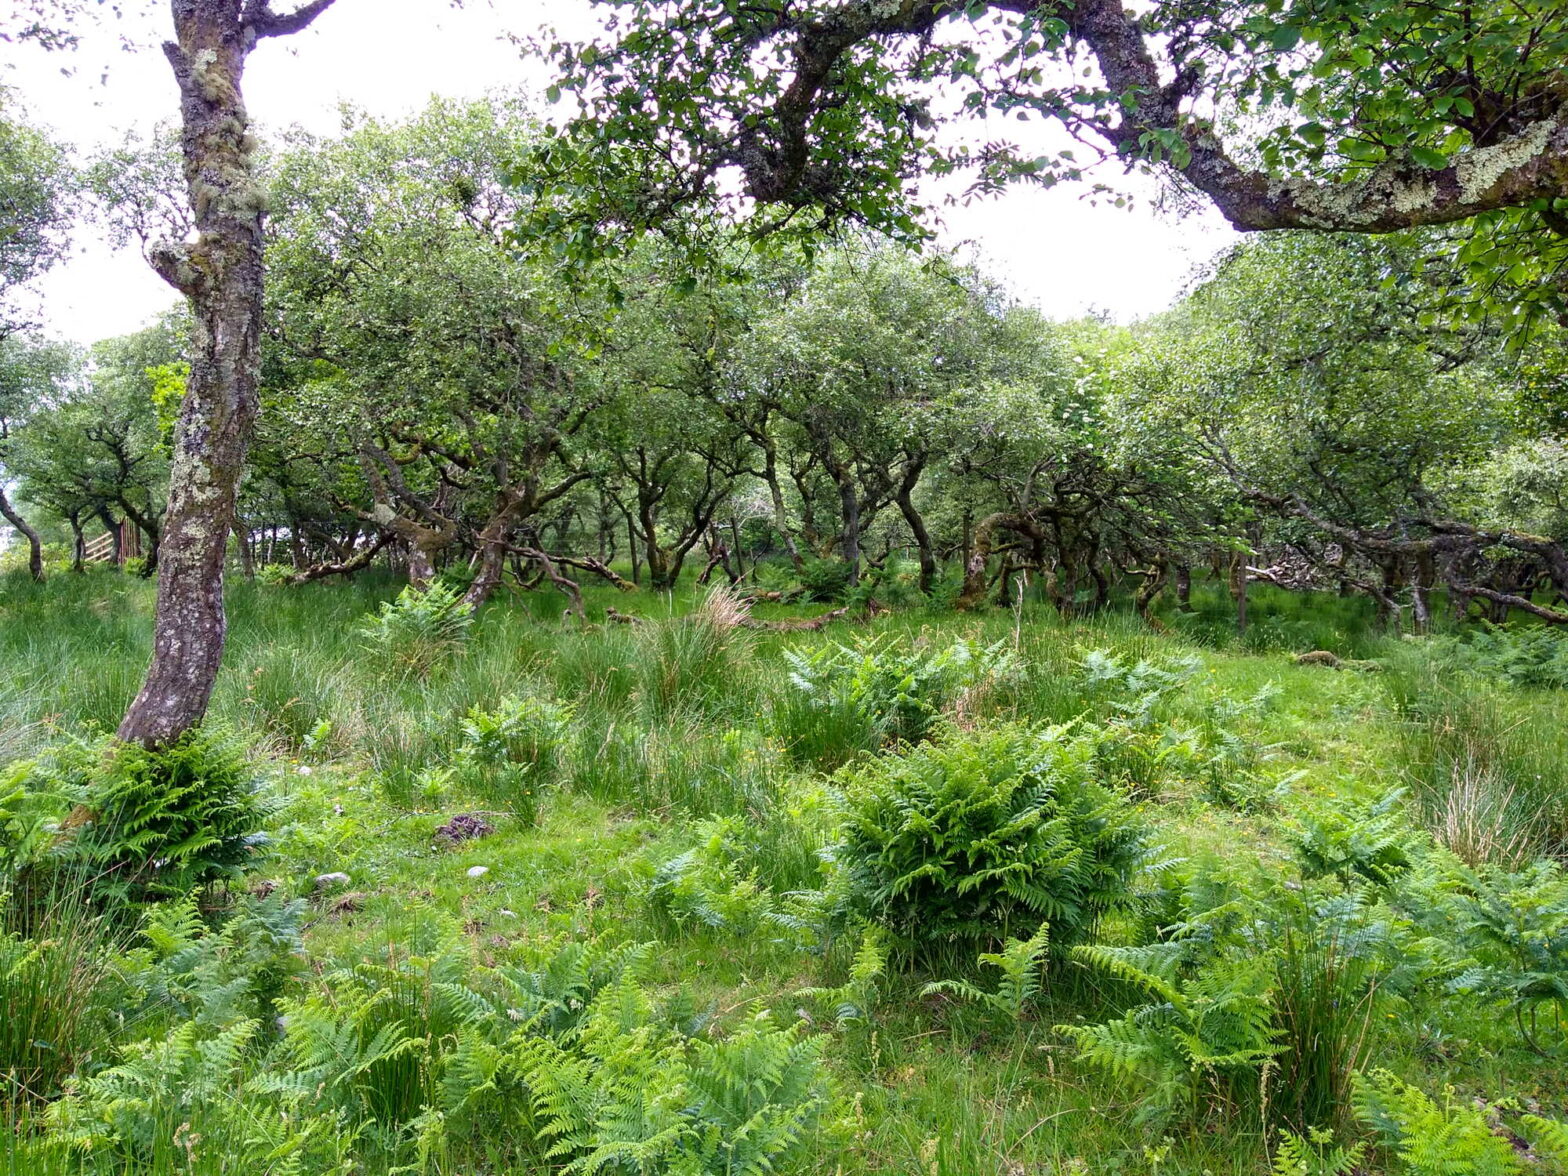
(727, 899)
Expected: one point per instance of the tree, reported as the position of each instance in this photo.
(1360, 115)
(858, 369)
(220, 272)
(1352, 414)
(440, 359)
(98, 447)
(32, 373)
(35, 186)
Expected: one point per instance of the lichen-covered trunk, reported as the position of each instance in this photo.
(35, 547)
(221, 274)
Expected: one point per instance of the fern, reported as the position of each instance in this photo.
(966, 838)
(622, 1093)
(857, 997)
(1315, 1154)
(1432, 1139)
(1200, 1043)
(1021, 964)
(419, 630)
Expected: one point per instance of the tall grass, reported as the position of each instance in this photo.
(57, 993)
(1487, 767)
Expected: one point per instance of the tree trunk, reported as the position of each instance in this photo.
(78, 541)
(247, 556)
(631, 542)
(221, 275)
(973, 594)
(1184, 588)
(917, 528)
(849, 509)
(35, 547)
(1238, 589)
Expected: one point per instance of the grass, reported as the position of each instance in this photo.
(683, 718)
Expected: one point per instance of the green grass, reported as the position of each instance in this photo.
(678, 720)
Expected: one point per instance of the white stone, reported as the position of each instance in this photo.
(478, 871)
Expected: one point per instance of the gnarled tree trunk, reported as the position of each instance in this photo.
(35, 547)
(221, 274)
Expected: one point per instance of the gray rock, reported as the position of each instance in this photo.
(478, 871)
(333, 881)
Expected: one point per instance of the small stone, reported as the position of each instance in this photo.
(332, 881)
(478, 871)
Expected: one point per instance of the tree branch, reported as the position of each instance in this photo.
(263, 22)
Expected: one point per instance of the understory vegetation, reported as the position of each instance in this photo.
(915, 891)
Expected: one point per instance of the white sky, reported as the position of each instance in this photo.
(389, 56)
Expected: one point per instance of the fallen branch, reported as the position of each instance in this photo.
(598, 567)
(341, 567)
(812, 624)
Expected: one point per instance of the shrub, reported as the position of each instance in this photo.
(509, 755)
(843, 699)
(419, 630)
(145, 824)
(825, 580)
(982, 835)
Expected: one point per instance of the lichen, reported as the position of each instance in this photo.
(1479, 170)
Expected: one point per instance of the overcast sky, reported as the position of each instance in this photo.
(389, 56)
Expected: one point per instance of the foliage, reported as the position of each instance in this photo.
(1020, 962)
(976, 836)
(420, 629)
(1515, 929)
(1199, 1043)
(1432, 1138)
(715, 887)
(511, 754)
(621, 1092)
(1536, 656)
(1366, 839)
(133, 825)
(848, 698)
(1315, 1154)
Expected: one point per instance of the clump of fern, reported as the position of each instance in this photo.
(623, 1092)
(1200, 1041)
(133, 825)
(1432, 1138)
(419, 630)
(964, 840)
(510, 755)
(843, 699)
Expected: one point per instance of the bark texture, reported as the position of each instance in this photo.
(221, 274)
(35, 547)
